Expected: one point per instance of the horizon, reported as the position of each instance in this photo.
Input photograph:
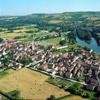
(25, 7)
(51, 13)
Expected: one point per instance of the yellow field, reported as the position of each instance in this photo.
(31, 84)
(55, 21)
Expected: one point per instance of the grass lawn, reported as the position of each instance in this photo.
(31, 84)
(11, 35)
(71, 97)
(4, 73)
(51, 41)
(59, 82)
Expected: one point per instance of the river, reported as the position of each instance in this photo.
(92, 44)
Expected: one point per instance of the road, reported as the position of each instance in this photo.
(62, 47)
(50, 74)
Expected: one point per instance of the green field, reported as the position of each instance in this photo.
(4, 73)
(51, 41)
(11, 35)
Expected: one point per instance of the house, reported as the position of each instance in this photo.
(53, 73)
(90, 87)
(98, 88)
(68, 75)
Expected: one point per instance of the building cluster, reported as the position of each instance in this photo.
(81, 67)
(49, 36)
(15, 54)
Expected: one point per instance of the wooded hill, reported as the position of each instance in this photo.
(83, 24)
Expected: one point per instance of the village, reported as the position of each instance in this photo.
(83, 67)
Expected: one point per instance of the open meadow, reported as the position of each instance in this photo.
(31, 84)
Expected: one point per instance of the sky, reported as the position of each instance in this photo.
(25, 7)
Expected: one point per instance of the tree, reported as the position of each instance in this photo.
(62, 42)
(90, 95)
(1, 39)
(76, 88)
(15, 95)
(71, 37)
(52, 97)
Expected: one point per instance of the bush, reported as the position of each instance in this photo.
(52, 97)
(62, 42)
(76, 89)
(14, 94)
(1, 39)
(90, 95)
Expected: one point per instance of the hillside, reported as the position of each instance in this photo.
(49, 19)
(83, 24)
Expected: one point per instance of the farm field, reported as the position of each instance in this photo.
(31, 84)
(11, 35)
(51, 41)
(72, 98)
